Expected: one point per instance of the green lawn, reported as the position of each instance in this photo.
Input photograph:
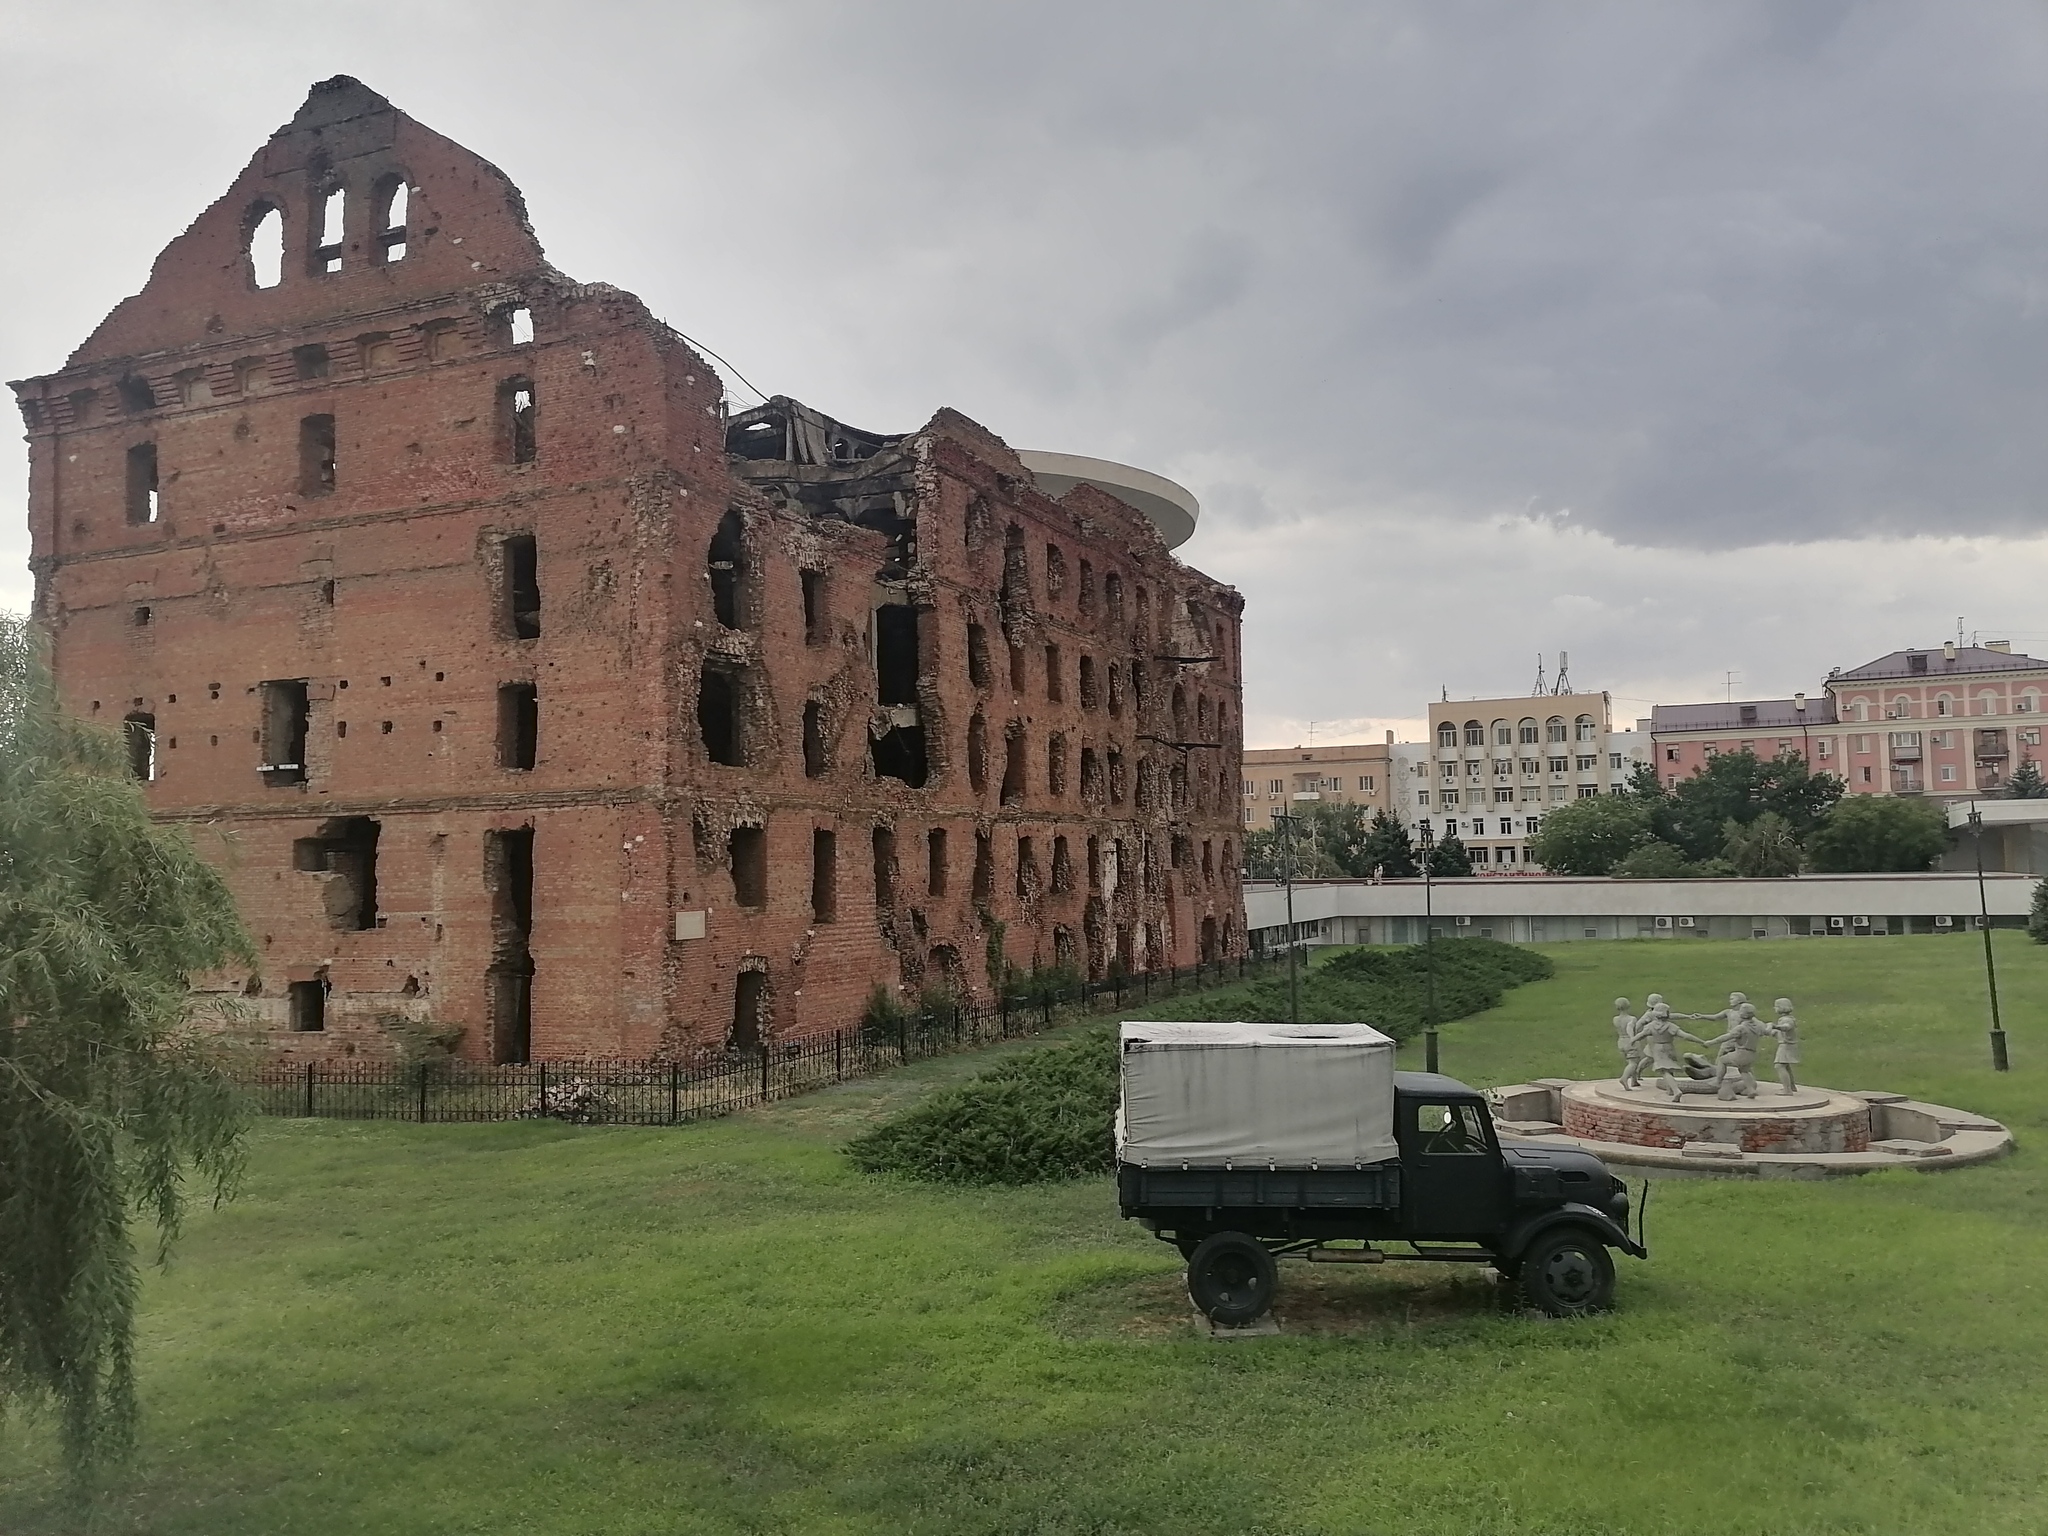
(720, 1328)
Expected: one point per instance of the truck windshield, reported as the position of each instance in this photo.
(1449, 1130)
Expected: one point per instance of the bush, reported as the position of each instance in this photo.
(1050, 1114)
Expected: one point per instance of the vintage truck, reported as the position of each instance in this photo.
(1246, 1143)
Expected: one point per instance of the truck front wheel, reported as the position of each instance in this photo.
(1232, 1278)
(1568, 1273)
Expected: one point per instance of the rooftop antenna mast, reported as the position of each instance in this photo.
(1541, 687)
(1564, 673)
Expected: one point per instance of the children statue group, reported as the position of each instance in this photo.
(1649, 1047)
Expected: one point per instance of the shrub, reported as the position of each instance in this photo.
(884, 1017)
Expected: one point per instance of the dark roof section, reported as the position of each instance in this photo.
(1969, 659)
(1750, 715)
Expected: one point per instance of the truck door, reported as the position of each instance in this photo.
(1453, 1170)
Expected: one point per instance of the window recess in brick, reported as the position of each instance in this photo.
(345, 851)
(898, 749)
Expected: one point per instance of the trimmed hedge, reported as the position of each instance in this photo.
(1050, 1114)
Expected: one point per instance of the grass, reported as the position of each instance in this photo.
(724, 1328)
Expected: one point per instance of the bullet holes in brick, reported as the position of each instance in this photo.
(726, 566)
(332, 205)
(1014, 771)
(143, 505)
(977, 656)
(136, 395)
(519, 586)
(824, 876)
(263, 245)
(746, 850)
(310, 361)
(719, 725)
(518, 418)
(815, 763)
(139, 735)
(316, 455)
(384, 727)
(1056, 764)
(282, 735)
(885, 869)
(935, 862)
(817, 625)
(518, 726)
(389, 199)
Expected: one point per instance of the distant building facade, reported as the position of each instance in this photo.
(1282, 779)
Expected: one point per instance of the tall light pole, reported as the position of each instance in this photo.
(1428, 837)
(1998, 1058)
(1287, 877)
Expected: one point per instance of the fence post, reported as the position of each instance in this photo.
(309, 1090)
(423, 1093)
(543, 1086)
(675, 1092)
(1005, 997)
(764, 1071)
(1045, 1011)
(839, 1055)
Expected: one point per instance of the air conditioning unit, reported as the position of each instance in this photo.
(1944, 922)
(1663, 922)
(1862, 922)
(1835, 922)
(1687, 922)
(1464, 922)
(1759, 933)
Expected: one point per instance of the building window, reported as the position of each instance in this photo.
(1422, 797)
(1948, 773)
(1504, 855)
(1866, 775)
(1559, 764)
(1475, 734)
(518, 725)
(1588, 760)
(1671, 754)
(1614, 760)
(142, 483)
(316, 455)
(1503, 797)
(1447, 735)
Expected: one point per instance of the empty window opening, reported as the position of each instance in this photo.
(520, 573)
(977, 656)
(81, 402)
(885, 869)
(308, 999)
(1085, 598)
(1091, 775)
(316, 455)
(333, 231)
(141, 617)
(310, 362)
(1113, 595)
(143, 506)
(814, 740)
(984, 868)
(896, 654)
(1091, 685)
(139, 729)
(136, 394)
(345, 851)
(1013, 764)
(718, 716)
(935, 862)
(1056, 764)
(824, 876)
(389, 202)
(1062, 866)
(1116, 777)
(1055, 681)
(518, 725)
(283, 734)
(749, 1010)
(1116, 691)
(1055, 570)
(816, 628)
(517, 418)
(1017, 671)
(508, 877)
(327, 593)
(265, 247)
(899, 753)
(1208, 859)
(1141, 685)
(726, 566)
(1027, 870)
(747, 851)
(519, 327)
(977, 753)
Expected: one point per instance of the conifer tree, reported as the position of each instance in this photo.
(109, 1097)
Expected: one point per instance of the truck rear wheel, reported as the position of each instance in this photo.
(1568, 1273)
(1232, 1278)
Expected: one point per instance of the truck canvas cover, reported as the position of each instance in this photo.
(1256, 1095)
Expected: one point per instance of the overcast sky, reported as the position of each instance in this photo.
(1696, 340)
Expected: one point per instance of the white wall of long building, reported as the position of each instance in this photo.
(1536, 909)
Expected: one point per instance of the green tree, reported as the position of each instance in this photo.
(1643, 784)
(2026, 782)
(1654, 860)
(1765, 849)
(1590, 836)
(109, 1097)
(1387, 849)
(1739, 787)
(1450, 859)
(1877, 833)
(2037, 916)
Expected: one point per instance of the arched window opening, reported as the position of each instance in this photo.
(1527, 730)
(136, 394)
(1584, 727)
(265, 246)
(1554, 728)
(1447, 735)
(1475, 734)
(140, 731)
(518, 415)
(388, 211)
(1503, 734)
(333, 224)
(726, 565)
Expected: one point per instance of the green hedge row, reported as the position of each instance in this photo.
(1050, 1113)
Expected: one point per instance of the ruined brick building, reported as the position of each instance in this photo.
(521, 691)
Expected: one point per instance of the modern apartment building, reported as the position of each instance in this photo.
(1278, 779)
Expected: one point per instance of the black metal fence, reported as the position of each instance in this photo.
(656, 1092)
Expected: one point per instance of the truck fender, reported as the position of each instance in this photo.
(1516, 1240)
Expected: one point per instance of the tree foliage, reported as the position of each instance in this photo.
(1332, 842)
(2027, 783)
(1654, 860)
(2037, 915)
(1878, 834)
(1767, 848)
(1740, 787)
(108, 1096)
(1591, 836)
(1450, 859)
(1387, 850)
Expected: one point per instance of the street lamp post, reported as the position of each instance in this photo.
(1428, 837)
(1999, 1063)
(1287, 877)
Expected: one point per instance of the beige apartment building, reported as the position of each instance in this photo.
(1278, 779)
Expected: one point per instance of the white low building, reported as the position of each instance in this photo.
(1537, 909)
